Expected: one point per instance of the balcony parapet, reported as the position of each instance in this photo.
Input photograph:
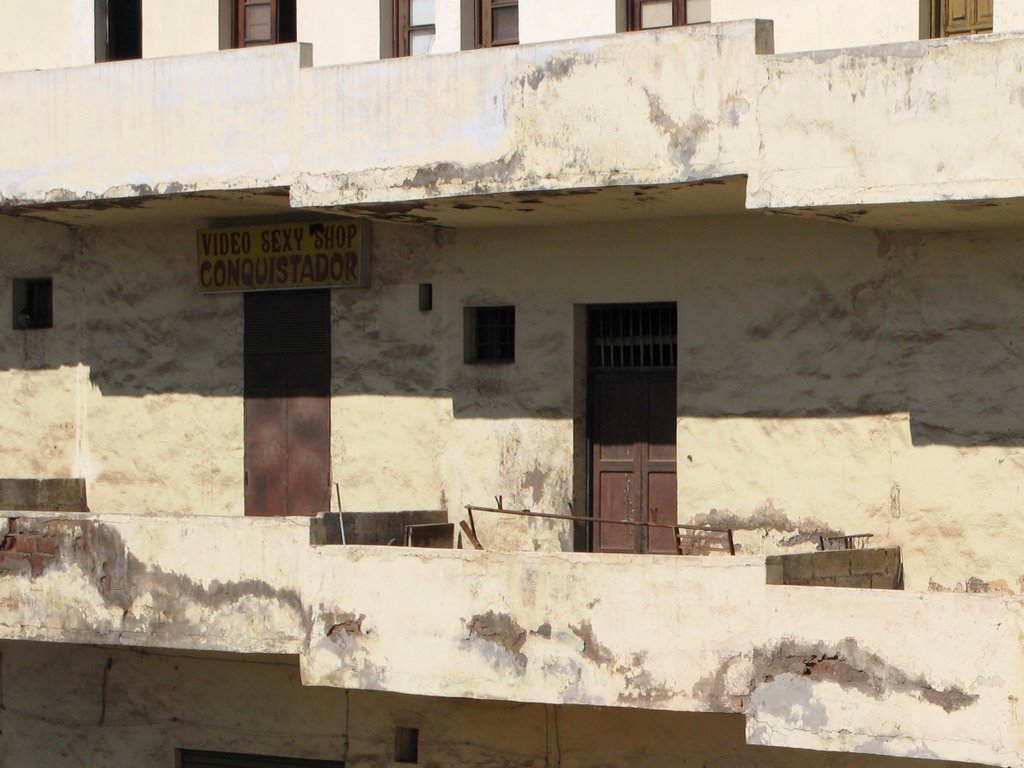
(874, 671)
(651, 108)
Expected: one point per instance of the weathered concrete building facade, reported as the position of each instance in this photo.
(291, 285)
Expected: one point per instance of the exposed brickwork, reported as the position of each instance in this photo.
(26, 553)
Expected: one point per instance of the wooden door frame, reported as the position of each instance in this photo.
(633, 14)
(584, 536)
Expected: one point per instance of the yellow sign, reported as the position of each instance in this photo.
(273, 257)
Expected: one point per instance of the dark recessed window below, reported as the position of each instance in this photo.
(407, 745)
(32, 303)
(193, 758)
(490, 334)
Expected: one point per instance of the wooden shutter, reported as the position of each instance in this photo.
(963, 17)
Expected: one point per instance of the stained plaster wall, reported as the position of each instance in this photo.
(888, 129)
(822, 668)
(137, 387)
(166, 125)
(832, 380)
(827, 669)
(875, 113)
(154, 703)
(222, 584)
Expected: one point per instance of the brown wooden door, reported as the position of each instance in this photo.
(287, 403)
(632, 426)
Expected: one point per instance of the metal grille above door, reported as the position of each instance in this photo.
(632, 336)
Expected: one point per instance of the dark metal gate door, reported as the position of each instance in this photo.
(632, 426)
(287, 402)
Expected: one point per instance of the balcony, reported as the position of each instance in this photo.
(896, 135)
(868, 671)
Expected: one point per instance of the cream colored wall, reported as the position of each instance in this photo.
(172, 28)
(830, 379)
(883, 134)
(46, 34)
(804, 25)
(542, 20)
(869, 143)
(156, 703)
(136, 358)
(824, 668)
(347, 32)
(1009, 15)
(666, 632)
(259, 117)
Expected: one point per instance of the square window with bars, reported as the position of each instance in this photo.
(490, 334)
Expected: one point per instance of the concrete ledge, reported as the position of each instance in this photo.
(857, 568)
(47, 494)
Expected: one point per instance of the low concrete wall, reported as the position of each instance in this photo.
(227, 584)
(824, 669)
(860, 568)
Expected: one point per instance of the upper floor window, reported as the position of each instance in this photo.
(499, 22)
(118, 30)
(653, 14)
(961, 17)
(263, 22)
(415, 28)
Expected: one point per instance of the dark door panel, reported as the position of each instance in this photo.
(287, 403)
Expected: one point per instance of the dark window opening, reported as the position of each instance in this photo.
(415, 27)
(33, 304)
(194, 758)
(407, 745)
(123, 30)
(499, 23)
(490, 334)
(634, 336)
(655, 14)
(264, 22)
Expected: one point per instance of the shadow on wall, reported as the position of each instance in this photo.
(926, 325)
(778, 319)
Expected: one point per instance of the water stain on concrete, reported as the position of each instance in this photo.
(845, 664)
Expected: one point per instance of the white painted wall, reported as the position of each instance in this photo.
(542, 20)
(345, 32)
(1009, 15)
(176, 27)
(449, 26)
(804, 25)
(46, 34)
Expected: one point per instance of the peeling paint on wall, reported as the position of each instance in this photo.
(845, 664)
(502, 632)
